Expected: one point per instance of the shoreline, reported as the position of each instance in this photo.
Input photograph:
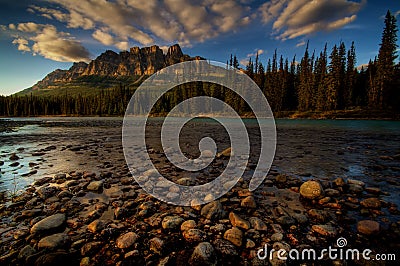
(351, 114)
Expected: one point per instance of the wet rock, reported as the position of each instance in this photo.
(331, 192)
(156, 245)
(194, 235)
(311, 190)
(96, 226)
(354, 188)
(258, 224)
(339, 182)
(249, 202)
(56, 258)
(371, 203)
(14, 164)
(234, 235)
(189, 224)
(42, 181)
(356, 182)
(53, 241)
(300, 218)
(368, 227)
(126, 240)
(95, 185)
(213, 211)
(64, 194)
(31, 213)
(49, 224)
(14, 157)
(203, 254)
(373, 190)
(89, 249)
(325, 230)
(171, 222)
(238, 221)
(47, 192)
(25, 252)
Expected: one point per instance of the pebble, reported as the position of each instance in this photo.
(96, 226)
(325, 230)
(156, 245)
(126, 240)
(258, 224)
(95, 185)
(203, 254)
(49, 224)
(213, 211)
(234, 235)
(90, 248)
(238, 221)
(277, 237)
(53, 241)
(371, 203)
(171, 222)
(189, 224)
(311, 190)
(47, 192)
(249, 202)
(194, 235)
(368, 227)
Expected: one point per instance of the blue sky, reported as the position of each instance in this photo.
(39, 36)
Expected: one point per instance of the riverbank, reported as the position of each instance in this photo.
(85, 208)
(84, 219)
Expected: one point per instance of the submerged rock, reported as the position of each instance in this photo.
(368, 227)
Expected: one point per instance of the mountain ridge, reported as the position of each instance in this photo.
(126, 65)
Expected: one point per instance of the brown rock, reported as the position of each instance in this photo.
(371, 203)
(311, 190)
(237, 221)
(249, 202)
(368, 227)
(234, 235)
(126, 240)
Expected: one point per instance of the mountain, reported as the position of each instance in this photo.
(109, 69)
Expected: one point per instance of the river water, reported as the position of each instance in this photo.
(365, 150)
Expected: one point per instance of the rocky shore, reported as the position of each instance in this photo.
(80, 218)
(91, 211)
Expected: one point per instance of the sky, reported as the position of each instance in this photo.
(39, 36)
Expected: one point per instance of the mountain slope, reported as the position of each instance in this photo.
(108, 70)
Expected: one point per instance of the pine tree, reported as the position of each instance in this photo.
(382, 88)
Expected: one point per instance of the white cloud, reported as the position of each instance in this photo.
(150, 21)
(103, 37)
(45, 40)
(22, 44)
(297, 18)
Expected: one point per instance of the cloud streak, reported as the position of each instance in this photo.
(45, 40)
(295, 18)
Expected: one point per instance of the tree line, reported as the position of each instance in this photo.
(321, 81)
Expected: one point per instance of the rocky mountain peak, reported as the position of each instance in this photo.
(135, 62)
